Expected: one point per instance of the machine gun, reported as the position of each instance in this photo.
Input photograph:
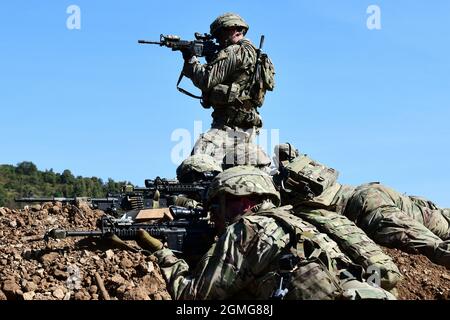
(202, 46)
(189, 233)
(160, 192)
(108, 204)
(157, 193)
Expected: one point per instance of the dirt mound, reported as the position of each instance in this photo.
(422, 279)
(32, 269)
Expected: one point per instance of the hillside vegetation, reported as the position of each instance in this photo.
(25, 180)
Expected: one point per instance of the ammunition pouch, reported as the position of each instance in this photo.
(306, 178)
(232, 116)
(223, 95)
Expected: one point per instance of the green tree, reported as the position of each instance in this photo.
(26, 168)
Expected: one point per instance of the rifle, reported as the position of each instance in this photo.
(108, 204)
(190, 233)
(202, 46)
(157, 193)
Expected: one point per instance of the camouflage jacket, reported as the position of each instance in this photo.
(228, 66)
(244, 262)
(248, 250)
(225, 78)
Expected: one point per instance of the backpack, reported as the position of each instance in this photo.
(306, 177)
(263, 79)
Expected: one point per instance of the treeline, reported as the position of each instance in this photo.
(25, 180)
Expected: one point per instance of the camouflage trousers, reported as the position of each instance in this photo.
(409, 223)
(231, 147)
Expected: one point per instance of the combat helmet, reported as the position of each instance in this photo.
(227, 20)
(246, 154)
(198, 167)
(243, 181)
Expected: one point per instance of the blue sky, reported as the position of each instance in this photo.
(374, 104)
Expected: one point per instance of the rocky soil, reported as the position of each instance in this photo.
(422, 279)
(86, 269)
(73, 268)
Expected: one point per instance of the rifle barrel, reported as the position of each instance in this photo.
(149, 42)
(52, 199)
(80, 233)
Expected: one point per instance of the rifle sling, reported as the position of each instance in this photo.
(185, 91)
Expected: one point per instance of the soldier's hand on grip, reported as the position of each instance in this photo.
(147, 242)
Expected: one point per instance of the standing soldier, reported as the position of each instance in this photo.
(233, 84)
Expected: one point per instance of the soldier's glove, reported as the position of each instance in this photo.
(187, 54)
(147, 242)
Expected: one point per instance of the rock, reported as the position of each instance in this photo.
(30, 286)
(81, 295)
(2, 212)
(151, 284)
(2, 296)
(29, 295)
(109, 254)
(49, 258)
(121, 290)
(94, 296)
(138, 293)
(67, 296)
(144, 268)
(157, 296)
(40, 272)
(93, 289)
(27, 254)
(51, 220)
(36, 207)
(55, 209)
(58, 293)
(117, 280)
(126, 263)
(60, 275)
(13, 224)
(11, 289)
(445, 276)
(20, 222)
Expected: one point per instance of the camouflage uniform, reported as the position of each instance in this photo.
(396, 220)
(224, 84)
(409, 223)
(245, 262)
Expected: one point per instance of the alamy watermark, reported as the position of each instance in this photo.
(73, 21)
(374, 19)
(74, 279)
(245, 144)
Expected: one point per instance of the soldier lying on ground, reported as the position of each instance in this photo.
(262, 251)
(352, 240)
(409, 223)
